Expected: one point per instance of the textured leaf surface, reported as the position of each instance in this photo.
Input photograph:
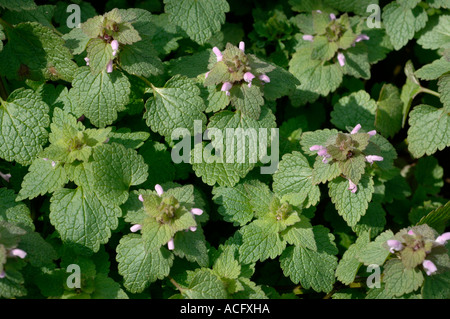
(429, 130)
(349, 264)
(438, 37)
(199, 18)
(400, 280)
(99, 97)
(23, 122)
(204, 284)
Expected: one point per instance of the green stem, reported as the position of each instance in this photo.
(425, 90)
(176, 284)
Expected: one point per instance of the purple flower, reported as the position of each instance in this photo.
(341, 58)
(248, 77)
(411, 233)
(373, 158)
(218, 54)
(114, 46)
(442, 240)
(332, 16)
(242, 46)
(308, 37)
(6, 177)
(264, 78)
(356, 129)
(196, 211)
(135, 228)
(361, 37)
(322, 151)
(316, 147)
(159, 190)
(372, 133)
(109, 67)
(2, 274)
(394, 245)
(429, 267)
(18, 253)
(206, 74)
(170, 244)
(141, 198)
(87, 60)
(193, 228)
(352, 186)
(226, 87)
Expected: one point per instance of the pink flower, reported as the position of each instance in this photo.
(2, 274)
(141, 198)
(356, 129)
(196, 211)
(316, 148)
(341, 58)
(372, 133)
(248, 77)
(170, 244)
(361, 37)
(206, 74)
(6, 177)
(429, 267)
(109, 67)
(442, 240)
(308, 37)
(114, 46)
(193, 228)
(226, 87)
(87, 60)
(411, 233)
(218, 54)
(373, 158)
(242, 46)
(352, 186)
(394, 245)
(332, 16)
(264, 78)
(159, 190)
(18, 253)
(135, 228)
(322, 151)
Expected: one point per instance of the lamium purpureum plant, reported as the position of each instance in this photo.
(135, 145)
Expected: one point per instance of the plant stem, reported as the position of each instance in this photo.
(425, 90)
(176, 284)
(3, 92)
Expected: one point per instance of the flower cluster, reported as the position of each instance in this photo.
(238, 67)
(323, 152)
(159, 191)
(415, 243)
(15, 252)
(340, 55)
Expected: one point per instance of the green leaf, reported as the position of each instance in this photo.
(23, 121)
(234, 204)
(311, 73)
(176, 105)
(309, 268)
(400, 280)
(260, 240)
(438, 37)
(293, 180)
(429, 130)
(356, 108)
(349, 264)
(141, 59)
(351, 206)
(42, 178)
(13, 212)
(353, 168)
(247, 100)
(192, 246)
(437, 218)
(444, 90)
(402, 23)
(324, 172)
(389, 113)
(226, 265)
(375, 252)
(12, 285)
(107, 288)
(139, 266)
(36, 52)
(99, 54)
(433, 70)
(204, 284)
(318, 137)
(436, 286)
(18, 5)
(99, 97)
(232, 159)
(81, 217)
(357, 62)
(199, 18)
